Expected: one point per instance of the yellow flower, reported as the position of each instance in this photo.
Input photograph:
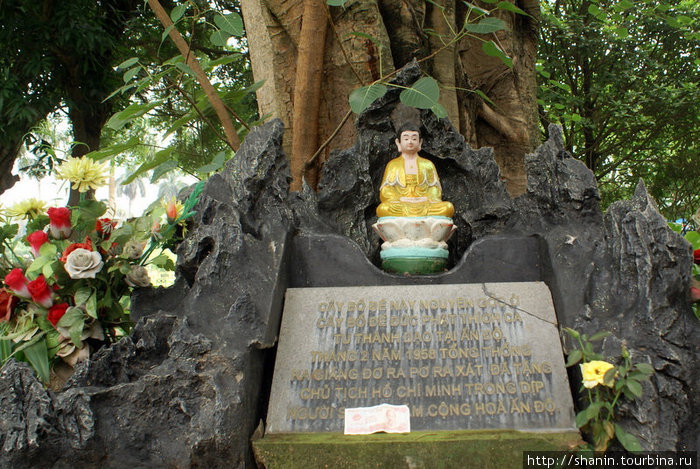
(84, 173)
(593, 373)
(29, 208)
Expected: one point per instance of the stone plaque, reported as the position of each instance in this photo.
(470, 356)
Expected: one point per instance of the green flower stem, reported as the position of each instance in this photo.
(21, 263)
(617, 396)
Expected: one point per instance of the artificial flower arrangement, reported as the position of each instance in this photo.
(693, 237)
(67, 283)
(604, 385)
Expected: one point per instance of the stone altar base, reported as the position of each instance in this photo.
(419, 450)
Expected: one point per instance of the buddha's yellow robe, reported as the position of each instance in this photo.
(396, 184)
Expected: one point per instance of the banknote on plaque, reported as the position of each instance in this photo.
(379, 418)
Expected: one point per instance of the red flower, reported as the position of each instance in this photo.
(17, 283)
(60, 222)
(56, 312)
(694, 294)
(696, 256)
(105, 226)
(112, 251)
(86, 245)
(37, 239)
(7, 304)
(40, 291)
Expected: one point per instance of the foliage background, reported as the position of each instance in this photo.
(621, 77)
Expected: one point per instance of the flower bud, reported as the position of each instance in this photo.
(36, 240)
(56, 312)
(40, 291)
(59, 225)
(17, 283)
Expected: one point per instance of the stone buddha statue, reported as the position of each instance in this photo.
(410, 186)
(413, 220)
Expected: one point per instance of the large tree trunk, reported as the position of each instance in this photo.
(276, 37)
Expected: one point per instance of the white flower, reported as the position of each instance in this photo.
(72, 354)
(133, 249)
(82, 263)
(138, 277)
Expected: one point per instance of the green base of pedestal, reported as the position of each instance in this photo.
(414, 265)
(493, 449)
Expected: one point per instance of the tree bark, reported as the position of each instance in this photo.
(307, 88)
(398, 31)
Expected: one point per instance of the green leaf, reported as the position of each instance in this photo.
(163, 261)
(477, 9)
(81, 295)
(609, 376)
(490, 48)
(162, 169)
(73, 320)
(159, 158)
(693, 237)
(131, 73)
(38, 356)
(624, 5)
(361, 98)
(439, 111)
(219, 38)
(128, 63)
(336, 3)
(590, 412)
(165, 33)
(232, 23)
(185, 69)
(510, 7)
(5, 343)
(91, 209)
(645, 368)
(621, 32)
(595, 11)
(48, 249)
(627, 440)
(485, 26)
(118, 120)
(91, 306)
(438, 6)
(177, 12)
(216, 163)
(574, 357)
(5, 350)
(49, 269)
(113, 150)
(423, 94)
(483, 96)
(599, 335)
(634, 387)
(637, 376)
(575, 117)
(37, 265)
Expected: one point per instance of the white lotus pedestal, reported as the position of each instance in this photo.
(414, 245)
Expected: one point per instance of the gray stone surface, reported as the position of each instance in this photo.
(185, 389)
(334, 260)
(624, 271)
(462, 357)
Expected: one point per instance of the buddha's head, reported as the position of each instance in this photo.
(408, 140)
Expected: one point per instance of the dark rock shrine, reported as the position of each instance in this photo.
(190, 386)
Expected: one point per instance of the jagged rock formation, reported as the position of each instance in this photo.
(189, 387)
